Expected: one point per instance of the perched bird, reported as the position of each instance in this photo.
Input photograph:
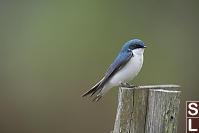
(125, 67)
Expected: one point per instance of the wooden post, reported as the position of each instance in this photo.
(148, 109)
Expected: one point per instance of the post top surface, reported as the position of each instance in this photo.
(158, 87)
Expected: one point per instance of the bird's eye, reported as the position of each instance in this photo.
(138, 46)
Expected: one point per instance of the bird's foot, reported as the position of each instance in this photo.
(133, 86)
(125, 84)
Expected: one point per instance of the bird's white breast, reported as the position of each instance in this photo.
(130, 70)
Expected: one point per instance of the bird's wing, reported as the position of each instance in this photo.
(117, 65)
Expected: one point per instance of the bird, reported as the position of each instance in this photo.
(126, 66)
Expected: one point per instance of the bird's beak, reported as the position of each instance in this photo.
(144, 46)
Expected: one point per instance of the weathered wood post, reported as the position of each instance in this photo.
(148, 109)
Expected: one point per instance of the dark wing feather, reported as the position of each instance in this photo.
(118, 64)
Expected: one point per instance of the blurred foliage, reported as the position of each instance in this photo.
(51, 52)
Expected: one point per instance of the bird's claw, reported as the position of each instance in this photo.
(125, 84)
(128, 85)
(133, 86)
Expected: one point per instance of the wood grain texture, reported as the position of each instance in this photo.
(147, 109)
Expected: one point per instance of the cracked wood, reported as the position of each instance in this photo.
(147, 109)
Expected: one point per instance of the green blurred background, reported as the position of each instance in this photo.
(51, 52)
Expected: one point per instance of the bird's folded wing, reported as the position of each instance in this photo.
(117, 65)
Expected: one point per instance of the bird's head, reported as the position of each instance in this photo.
(132, 45)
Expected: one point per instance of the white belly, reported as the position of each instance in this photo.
(129, 71)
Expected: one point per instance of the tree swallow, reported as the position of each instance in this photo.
(125, 67)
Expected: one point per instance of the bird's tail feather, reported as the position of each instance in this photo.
(97, 98)
(93, 90)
